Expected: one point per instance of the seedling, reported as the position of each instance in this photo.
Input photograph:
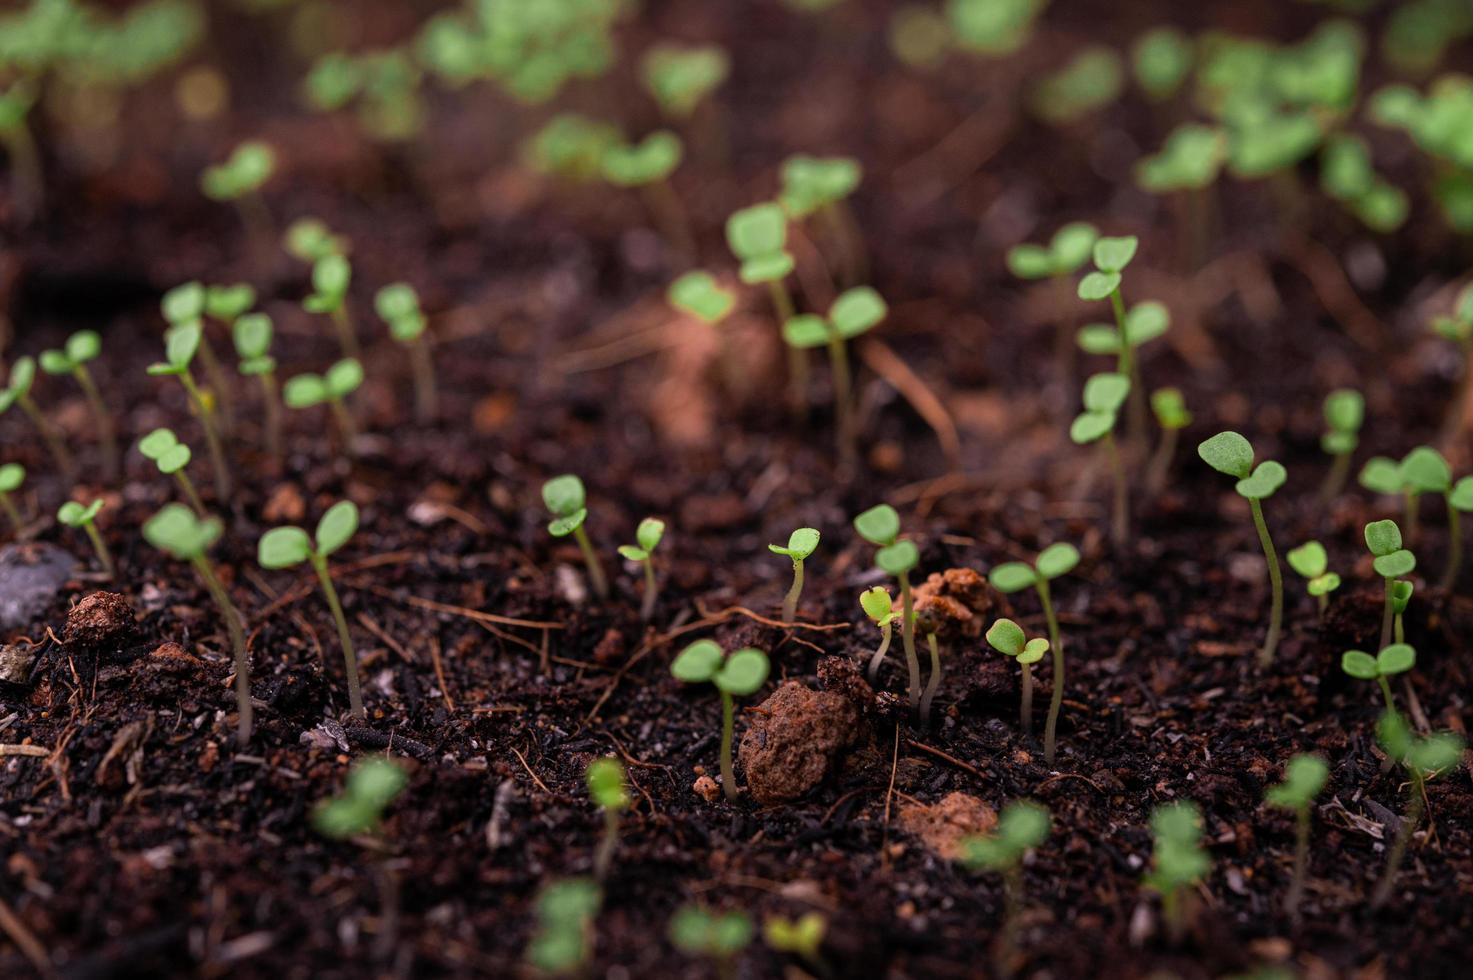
(1089, 82)
(310, 239)
(1008, 638)
(1230, 453)
(1424, 471)
(854, 313)
(252, 337)
(1178, 861)
(398, 306)
(229, 303)
(720, 937)
(185, 304)
(1161, 60)
(648, 536)
(1014, 576)
(758, 237)
(1022, 827)
(12, 475)
(738, 675)
(563, 942)
(1423, 758)
(801, 937)
(171, 457)
(993, 28)
(1170, 409)
(1111, 256)
(801, 544)
(331, 276)
(571, 147)
(1065, 254)
(1103, 396)
(698, 294)
(177, 531)
(567, 501)
(820, 187)
(81, 347)
(1458, 330)
(1459, 501)
(1304, 778)
(1401, 597)
(239, 180)
(880, 526)
(340, 381)
(181, 342)
(371, 786)
(929, 624)
(607, 786)
(1392, 561)
(18, 392)
(1397, 658)
(1190, 160)
(73, 514)
(647, 166)
(286, 547)
(680, 77)
(879, 607)
(1345, 411)
(1311, 561)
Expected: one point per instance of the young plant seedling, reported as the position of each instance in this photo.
(680, 77)
(801, 937)
(73, 514)
(1458, 329)
(646, 166)
(1459, 501)
(1398, 658)
(567, 501)
(12, 475)
(801, 544)
(18, 392)
(371, 786)
(81, 347)
(340, 381)
(1103, 396)
(562, 946)
(251, 335)
(880, 526)
(1065, 254)
(398, 306)
(1014, 576)
(820, 187)
(738, 675)
(1008, 638)
(1170, 409)
(287, 547)
(1423, 758)
(1231, 454)
(698, 294)
(1178, 862)
(1304, 778)
(1345, 412)
(1144, 323)
(171, 457)
(181, 343)
(1111, 256)
(647, 536)
(309, 239)
(696, 931)
(186, 304)
(331, 276)
(607, 786)
(1311, 561)
(179, 532)
(229, 303)
(1021, 828)
(1424, 470)
(1401, 597)
(239, 180)
(1392, 561)
(930, 624)
(880, 608)
(758, 237)
(854, 313)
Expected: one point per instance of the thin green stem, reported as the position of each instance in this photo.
(1386, 693)
(238, 646)
(1007, 937)
(933, 682)
(346, 424)
(347, 336)
(1454, 547)
(219, 385)
(272, 402)
(1301, 865)
(104, 557)
(728, 772)
(790, 601)
(1324, 603)
(27, 184)
(426, 394)
(1160, 465)
(603, 857)
(190, 493)
(106, 437)
(1398, 629)
(595, 571)
(1335, 478)
(1131, 368)
(908, 640)
(1399, 846)
(1388, 614)
(879, 657)
(782, 303)
(1056, 645)
(843, 398)
(651, 591)
(212, 437)
(10, 512)
(1120, 509)
(1026, 713)
(1412, 503)
(1173, 914)
(350, 657)
(1276, 584)
(54, 445)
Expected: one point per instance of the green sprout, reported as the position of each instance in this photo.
(930, 624)
(22, 155)
(12, 475)
(18, 392)
(758, 236)
(229, 303)
(310, 239)
(1064, 255)
(1459, 501)
(73, 514)
(854, 313)
(1424, 470)
(609, 789)
(647, 537)
(1304, 778)
(993, 28)
(1396, 658)
(880, 526)
(188, 303)
(698, 294)
(879, 607)
(1090, 82)
(331, 276)
(1230, 453)
(1172, 415)
(371, 786)
(802, 937)
(679, 77)
(1189, 160)
(1458, 329)
(239, 180)
(1022, 827)
(1161, 60)
(1401, 597)
(820, 187)
(181, 343)
(340, 381)
(698, 932)
(737, 675)
(1103, 396)
(1111, 256)
(563, 942)
(251, 335)
(384, 84)
(81, 347)
(397, 305)
(646, 166)
(801, 544)
(171, 457)
(285, 547)
(1311, 561)
(567, 501)
(1014, 576)
(1008, 638)
(1177, 861)
(1348, 176)
(1345, 411)
(1392, 561)
(1423, 759)
(180, 533)
(570, 147)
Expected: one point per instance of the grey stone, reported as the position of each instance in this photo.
(31, 577)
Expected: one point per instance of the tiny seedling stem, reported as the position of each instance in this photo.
(1276, 583)
(797, 357)
(212, 436)
(1301, 864)
(105, 435)
(671, 218)
(843, 398)
(1413, 522)
(1003, 955)
(350, 658)
(1388, 614)
(1130, 367)
(59, 454)
(346, 424)
(844, 230)
(238, 647)
(728, 773)
(1026, 713)
(933, 682)
(790, 601)
(272, 401)
(595, 570)
(1120, 510)
(426, 396)
(14, 515)
(603, 857)
(1399, 846)
(104, 556)
(1172, 914)
(190, 494)
(879, 657)
(1335, 479)
(1454, 547)
(1160, 465)
(651, 592)
(1386, 693)
(347, 337)
(1056, 699)
(219, 384)
(908, 639)
(1324, 603)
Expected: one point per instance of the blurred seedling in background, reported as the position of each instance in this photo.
(181, 342)
(1230, 453)
(1345, 412)
(22, 155)
(382, 86)
(929, 623)
(239, 180)
(719, 937)
(229, 303)
(567, 501)
(1111, 257)
(1178, 862)
(1401, 597)
(1065, 254)
(993, 28)
(680, 77)
(570, 147)
(1304, 778)
(287, 547)
(180, 533)
(801, 544)
(854, 313)
(698, 294)
(186, 304)
(1008, 638)
(608, 787)
(1423, 758)
(1459, 501)
(340, 381)
(73, 514)
(1391, 562)
(646, 166)
(880, 526)
(647, 537)
(1397, 658)
(397, 305)
(81, 347)
(1103, 396)
(1143, 324)
(1022, 827)
(18, 392)
(1420, 471)
(310, 239)
(1424, 470)
(758, 237)
(12, 475)
(880, 608)
(1161, 60)
(1458, 330)
(1088, 83)
(1170, 409)
(372, 784)
(331, 276)
(171, 457)
(562, 944)
(819, 187)
(801, 937)
(1311, 561)
(1014, 576)
(251, 335)
(737, 675)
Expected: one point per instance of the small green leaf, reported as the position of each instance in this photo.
(564, 495)
(1098, 338)
(758, 231)
(1228, 452)
(1309, 559)
(175, 529)
(1098, 285)
(305, 391)
(174, 459)
(766, 268)
(880, 525)
(856, 311)
(806, 331)
(1425, 471)
(649, 161)
(1435, 753)
(283, 547)
(1170, 409)
(1360, 665)
(698, 294)
(1105, 393)
(73, 514)
(181, 342)
(12, 475)
(1029, 261)
(1007, 637)
(1034, 650)
(801, 544)
(1267, 477)
(1395, 565)
(56, 362)
(698, 662)
(1382, 475)
(898, 558)
(1091, 426)
(1323, 584)
(743, 673)
(1072, 246)
(1304, 777)
(83, 346)
(877, 604)
(649, 533)
(606, 783)
(343, 378)
(184, 303)
(336, 527)
(1461, 497)
(1057, 559)
(1383, 537)
(1114, 254)
(1013, 576)
(252, 335)
(1145, 322)
(632, 553)
(1345, 410)
(226, 303)
(565, 525)
(1396, 659)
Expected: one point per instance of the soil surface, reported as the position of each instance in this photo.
(140, 840)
